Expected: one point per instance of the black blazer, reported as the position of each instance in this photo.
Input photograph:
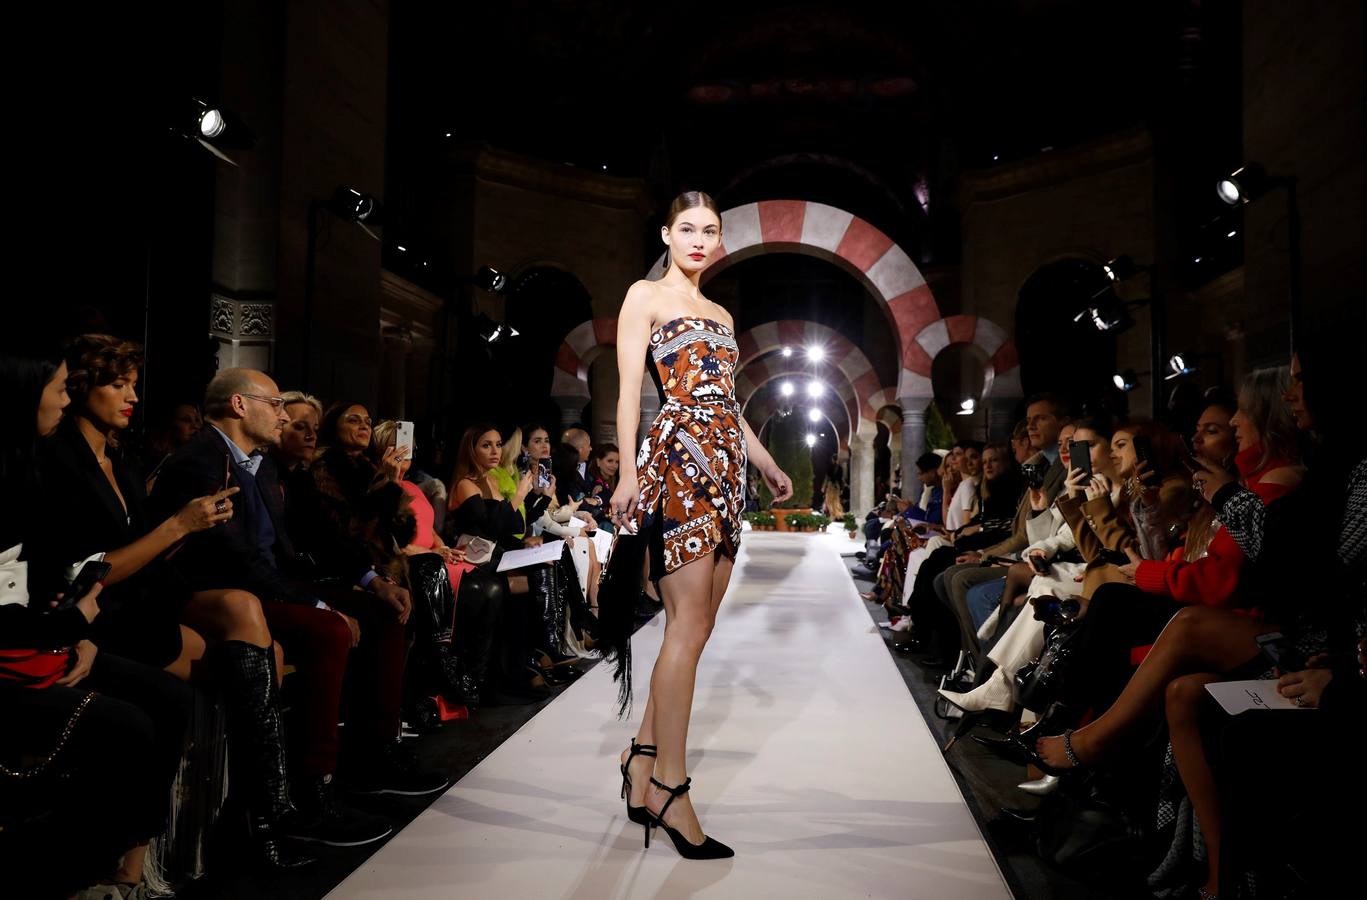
(228, 555)
(82, 515)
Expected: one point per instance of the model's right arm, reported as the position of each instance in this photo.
(633, 335)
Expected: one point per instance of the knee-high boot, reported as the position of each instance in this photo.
(256, 744)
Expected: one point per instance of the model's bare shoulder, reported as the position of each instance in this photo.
(720, 313)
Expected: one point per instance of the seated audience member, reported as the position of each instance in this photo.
(335, 636)
(172, 433)
(965, 502)
(89, 734)
(946, 576)
(446, 667)
(603, 468)
(579, 483)
(1321, 526)
(999, 494)
(104, 511)
(916, 524)
(479, 509)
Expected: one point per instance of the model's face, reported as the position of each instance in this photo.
(185, 424)
(1123, 459)
(53, 401)
(489, 449)
(1043, 424)
(1214, 438)
(263, 420)
(110, 406)
(994, 464)
(609, 463)
(1246, 434)
(693, 239)
(1295, 397)
(1066, 436)
(353, 429)
(539, 445)
(1099, 450)
(972, 461)
(300, 437)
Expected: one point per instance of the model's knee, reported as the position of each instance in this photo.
(690, 635)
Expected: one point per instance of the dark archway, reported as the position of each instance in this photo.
(1058, 351)
(543, 303)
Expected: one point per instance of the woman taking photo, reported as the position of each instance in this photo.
(701, 442)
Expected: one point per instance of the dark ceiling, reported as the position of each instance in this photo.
(877, 104)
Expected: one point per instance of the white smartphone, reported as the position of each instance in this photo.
(403, 439)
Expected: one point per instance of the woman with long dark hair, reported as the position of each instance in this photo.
(107, 738)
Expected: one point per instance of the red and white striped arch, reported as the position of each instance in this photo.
(584, 344)
(1002, 376)
(759, 342)
(840, 237)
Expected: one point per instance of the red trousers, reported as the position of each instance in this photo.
(332, 681)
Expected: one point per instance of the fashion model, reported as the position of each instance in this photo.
(685, 492)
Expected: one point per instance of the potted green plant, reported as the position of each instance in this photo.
(851, 526)
(818, 521)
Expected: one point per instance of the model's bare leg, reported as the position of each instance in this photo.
(1185, 697)
(1197, 639)
(688, 624)
(642, 767)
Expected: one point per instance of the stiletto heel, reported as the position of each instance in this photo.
(638, 814)
(708, 849)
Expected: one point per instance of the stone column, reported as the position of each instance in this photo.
(571, 409)
(895, 451)
(861, 474)
(913, 440)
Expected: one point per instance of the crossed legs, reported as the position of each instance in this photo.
(692, 594)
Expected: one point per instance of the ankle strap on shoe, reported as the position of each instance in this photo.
(641, 750)
(674, 793)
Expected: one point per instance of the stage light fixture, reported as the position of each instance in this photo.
(490, 279)
(816, 354)
(1122, 268)
(1126, 381)
(492, 332)
(786, 389)
(211, 123)
(1244, 185)
(1181, 364)
(967, 407)
(811, 440)
(355, 206)
(815, 389)
(787, 351)
(813, 415)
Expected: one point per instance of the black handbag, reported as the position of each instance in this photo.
(1037, 683)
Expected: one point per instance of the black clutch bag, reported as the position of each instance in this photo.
(619, 592)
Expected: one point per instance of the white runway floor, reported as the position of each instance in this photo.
(807, 753)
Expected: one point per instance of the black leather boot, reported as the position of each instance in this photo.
(256, 746)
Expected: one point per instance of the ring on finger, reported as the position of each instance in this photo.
(221, 506)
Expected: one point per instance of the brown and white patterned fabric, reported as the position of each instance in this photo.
(691, 465)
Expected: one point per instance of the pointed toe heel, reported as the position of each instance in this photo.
(710, 848)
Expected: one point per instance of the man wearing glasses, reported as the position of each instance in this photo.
(318, 625)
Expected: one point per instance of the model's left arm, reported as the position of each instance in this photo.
(779, 483)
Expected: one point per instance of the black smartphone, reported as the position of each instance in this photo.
(91, 574)
(1039, 564)
(1080, 456)
(1143, 448)
(524, 461)
(1279, 651)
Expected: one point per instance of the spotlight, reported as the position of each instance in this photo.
(786, 389)
(816, 354)
(490, 279)
(813, 415)
(1122, 268)
(211, 123)
(967, 407)
(1181, 364)
(1244, 185)
(355, 206)
(811, 440)
(815, 389)
(787, 351)
(1126, 381)
(492, 332)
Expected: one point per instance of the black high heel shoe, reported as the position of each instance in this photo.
(708, 849)
(638, 814)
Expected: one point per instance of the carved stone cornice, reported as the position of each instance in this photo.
(1057, 166)
(555, 179)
